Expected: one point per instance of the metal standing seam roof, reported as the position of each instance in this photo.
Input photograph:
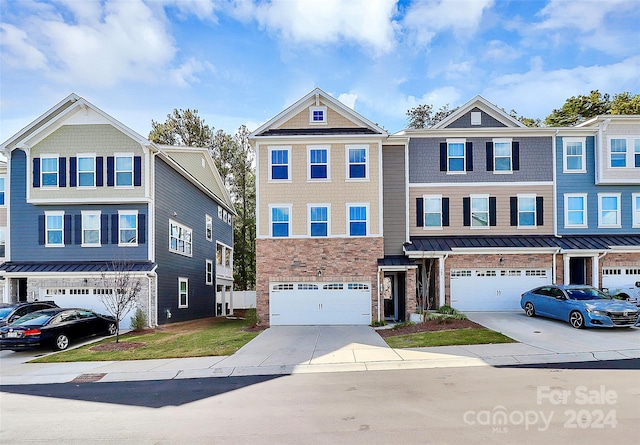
(76, 267)
(318, 131)
(395, 260)
(568, 242)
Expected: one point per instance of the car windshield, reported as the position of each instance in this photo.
(586, 293)
(34, 319)
(4, 311)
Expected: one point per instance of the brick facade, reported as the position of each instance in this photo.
(338, 259)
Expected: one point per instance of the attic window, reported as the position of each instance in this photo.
(476, 118)
(317, 115)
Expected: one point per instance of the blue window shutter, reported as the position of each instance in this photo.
(445, 212)
(72, 171)
(443, 156)
(142, 228)
(137, 171)
(67, 229)
(41, 230)
(492, 210)
(104, 228)
(469, 155)
(466, 211)
(515, 155)
(99, 171)
(539, 210)
(114, 228)
(110, 171)
(62, 172)
(514, 210)
(78, 229)
(419, 212)
(489, 156)
(36, 173)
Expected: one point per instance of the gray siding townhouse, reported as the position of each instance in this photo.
(88, 198)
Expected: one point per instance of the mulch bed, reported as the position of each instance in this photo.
(429, 326)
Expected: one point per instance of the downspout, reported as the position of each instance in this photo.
(554, 275)
(555, 186)
(595, 274)
(442, 279)
(379, 290)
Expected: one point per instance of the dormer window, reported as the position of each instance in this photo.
(317, 115)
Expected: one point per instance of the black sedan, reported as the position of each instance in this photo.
(10, 312)
(54, 327)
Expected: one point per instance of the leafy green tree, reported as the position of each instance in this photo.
(182, 127)
(423, 116)
(578, 109)
(528, 121)
(625, 103)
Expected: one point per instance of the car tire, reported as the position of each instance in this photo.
(62, 342)
(576, 319)
(111, 329)
(529, 310)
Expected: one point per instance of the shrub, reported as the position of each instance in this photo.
(377, 323)
(251, 315)
(139, 320)
(447, 310)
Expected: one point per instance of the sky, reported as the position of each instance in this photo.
(241, 62)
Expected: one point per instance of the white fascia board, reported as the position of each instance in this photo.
(507, 250)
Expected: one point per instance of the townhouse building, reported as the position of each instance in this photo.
(87, 199)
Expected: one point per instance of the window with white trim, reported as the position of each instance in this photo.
(502, 152)
(636, 150)
(318, 219)
(432, 211)
(609, 210)
(124, 170)
(526, 210)
(1, 191)
(618, 153)
(357, 219)
(575, 210)
(49, 171)
(318, 163)
(479, 211)
(280, 218)
(127, 227)
(635, 198)
(90, 228)
(54, 229)
(208, 272)
(357, 162)
(86, 171)
(279, 167)
(208, 227)
(574, 155)
(183, 292)
(456, 156)
(180, 239)
(318, 115)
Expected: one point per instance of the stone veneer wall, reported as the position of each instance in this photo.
(339, 259)
(411, 302)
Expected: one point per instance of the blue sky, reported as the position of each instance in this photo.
(242, 62)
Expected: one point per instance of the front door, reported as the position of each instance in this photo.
(577, 271)
(389, 293)
(22, 289)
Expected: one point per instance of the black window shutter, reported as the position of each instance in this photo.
(539, 211)
(469, 154)
(489, 156)
(36, 172)
(443, 156)
(62, 172)
(78, 229)
(104, 229)
(419, 212)
(41, 230)
(72, 171)
(445, 212)
(515, 155)
(514, 210)
(492, 211)
(137, 171)
(114, 228)
(110, 171)
(99, 171)
(466, 211)
(142, 228)
(67, 229)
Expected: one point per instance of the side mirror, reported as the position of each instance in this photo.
(637, 283)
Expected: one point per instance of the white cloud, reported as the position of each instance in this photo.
(424, 19)
(17, 51)
(369, 25)
(499, 51)
(349, 99)
(185, 74)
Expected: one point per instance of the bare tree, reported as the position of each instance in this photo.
(120, 291)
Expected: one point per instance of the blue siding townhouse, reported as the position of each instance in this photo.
(86, 197)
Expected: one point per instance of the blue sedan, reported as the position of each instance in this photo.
(579, 305)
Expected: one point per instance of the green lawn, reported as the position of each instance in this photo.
(448, 338)
(191, 339)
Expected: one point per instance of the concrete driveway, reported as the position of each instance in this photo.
(557, 336)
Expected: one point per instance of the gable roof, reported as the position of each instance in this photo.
(58, 115)
(484, 105)
(365, 126)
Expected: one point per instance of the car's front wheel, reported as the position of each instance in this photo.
(529, 309)
(62, 342)
(576, 319)
(111, 329)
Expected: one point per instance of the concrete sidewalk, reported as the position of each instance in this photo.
(304, 349)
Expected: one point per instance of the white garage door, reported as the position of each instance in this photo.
(621, 279)
(493, 289)
(320, 303)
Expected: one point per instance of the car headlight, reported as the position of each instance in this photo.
(596, 312)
